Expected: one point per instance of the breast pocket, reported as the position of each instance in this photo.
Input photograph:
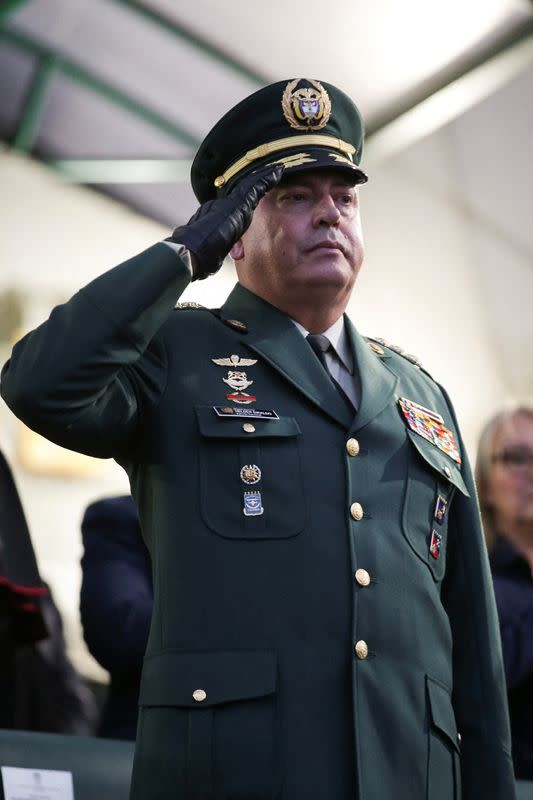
(250, 476)
(432, 480)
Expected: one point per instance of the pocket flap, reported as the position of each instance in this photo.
(439, 461)
(175, 678)
(213, 426)
(441, 709)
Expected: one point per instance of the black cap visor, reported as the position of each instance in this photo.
(300, 160)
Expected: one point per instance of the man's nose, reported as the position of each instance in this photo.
(326, 212)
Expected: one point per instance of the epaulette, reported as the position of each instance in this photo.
(395, 349)
(235, 324)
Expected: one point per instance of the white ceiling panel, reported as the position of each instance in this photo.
(375, 50)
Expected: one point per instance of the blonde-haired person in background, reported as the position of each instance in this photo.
(504, 476)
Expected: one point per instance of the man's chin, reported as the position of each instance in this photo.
(328, 277)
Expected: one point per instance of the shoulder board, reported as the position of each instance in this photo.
(395, 349)
(235, 324)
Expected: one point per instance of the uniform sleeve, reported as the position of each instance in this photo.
(82, 377)
(479, 692)
(116, 593)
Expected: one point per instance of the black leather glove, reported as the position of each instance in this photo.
(210, 234)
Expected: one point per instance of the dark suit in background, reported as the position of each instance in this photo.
(39, 688)
(513, 586)
(116, 606)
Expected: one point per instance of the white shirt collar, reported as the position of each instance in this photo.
(339, 341)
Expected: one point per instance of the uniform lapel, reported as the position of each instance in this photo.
(378, 383)
(273, 336)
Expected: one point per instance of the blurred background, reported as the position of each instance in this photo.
(102, 105)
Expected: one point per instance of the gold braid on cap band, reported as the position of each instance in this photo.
(307, 140)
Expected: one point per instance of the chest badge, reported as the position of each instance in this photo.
(430, 425)
(237, 379)
(440, 509)
(250, 474)
(253, 505)
(234, 361)
(435, 545)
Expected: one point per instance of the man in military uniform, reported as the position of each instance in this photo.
(324, 623)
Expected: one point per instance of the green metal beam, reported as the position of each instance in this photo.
(82, 76)
(9, 6)
(122, 170)
(28, 128)
(201, 44)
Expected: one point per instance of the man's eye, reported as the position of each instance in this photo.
(293, 194)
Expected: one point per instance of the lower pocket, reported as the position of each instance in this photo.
(444, 767)
(208, 726)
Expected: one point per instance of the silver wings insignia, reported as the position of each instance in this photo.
(234, 361)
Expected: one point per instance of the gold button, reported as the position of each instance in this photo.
(362, 577)
(361, 649)
(356, 510)
(352, 447)
(447, 471)
(248, 427)
(199, 695)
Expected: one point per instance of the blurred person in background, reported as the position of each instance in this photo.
(39, 688)
(116, 606)
(504, 476)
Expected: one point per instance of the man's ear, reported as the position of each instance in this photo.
(237, 251)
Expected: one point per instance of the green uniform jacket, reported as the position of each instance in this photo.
(253, 686)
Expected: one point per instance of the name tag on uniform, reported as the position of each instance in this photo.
(249, 413)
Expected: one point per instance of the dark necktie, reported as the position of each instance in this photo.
(320, 345)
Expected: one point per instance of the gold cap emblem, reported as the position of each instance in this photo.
(306, 108)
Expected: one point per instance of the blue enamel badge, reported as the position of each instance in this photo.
(252, 504)
(440, 509)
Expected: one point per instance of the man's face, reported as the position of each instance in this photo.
(305, 241)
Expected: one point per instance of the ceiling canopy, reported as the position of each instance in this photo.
(118, 93)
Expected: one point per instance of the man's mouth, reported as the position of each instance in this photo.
(327, 244)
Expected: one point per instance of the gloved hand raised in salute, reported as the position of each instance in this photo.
(212, 231)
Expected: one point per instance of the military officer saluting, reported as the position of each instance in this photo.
(324, 623)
